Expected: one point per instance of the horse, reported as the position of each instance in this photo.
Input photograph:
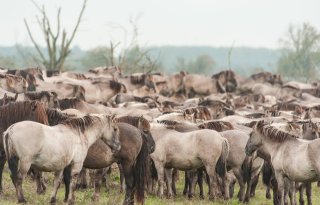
(12, 83)
(188, 151)
(56, 148)
(136, 145)
(7, 99)
(48, 98)
(16, 112)
(290, 157)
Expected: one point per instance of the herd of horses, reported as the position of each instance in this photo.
(221, 129)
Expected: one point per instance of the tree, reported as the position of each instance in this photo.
(56, 53)
(300, 53)
(99, 56)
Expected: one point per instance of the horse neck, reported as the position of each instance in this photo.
(94, 133)
(269, 147)
(158, 130)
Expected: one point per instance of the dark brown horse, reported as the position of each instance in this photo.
(136, 145)
(16, 112)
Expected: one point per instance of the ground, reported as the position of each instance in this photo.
(114, 197)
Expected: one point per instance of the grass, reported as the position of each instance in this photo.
(113, 196)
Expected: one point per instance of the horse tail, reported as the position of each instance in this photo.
(246, 168)
(10, 153)
(221, 167)
(266, 173)
(141, 170)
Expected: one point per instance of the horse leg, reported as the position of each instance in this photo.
(309, 193)
(82, 180)
(211, 171)
(254, 185)
(122, 180)
(168, 175)
(130, 184)
(75, 170)
(200, 182)
(292, 193)
(280, 182)
(227, 182)
(175, 177)
(160, 171)
(19, 170)
(248, 191)
(192, 182)
(98, 174)
(106, 176)
(56, 184)
(268, 194)
(241, 182)
(186, 183)
(301, 200)
(41, 187)
(2, 163)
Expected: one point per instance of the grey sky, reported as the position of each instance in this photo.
(257, 23)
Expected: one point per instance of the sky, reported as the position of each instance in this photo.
(252, 23)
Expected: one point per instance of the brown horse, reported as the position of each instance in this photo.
(136, 145)
(16, 112)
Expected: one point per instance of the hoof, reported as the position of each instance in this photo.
(53, 200)
(201, 197)
(190, 196)
(22, 201)
(41, 191)
(268, 196)
(95, 197)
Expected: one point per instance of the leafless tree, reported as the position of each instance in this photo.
(56, 52)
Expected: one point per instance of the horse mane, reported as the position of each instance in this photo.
(224, 72)
(219, 126)
(273, 133)
(137, 79)
(290, 106)
(261, 74)
(168, 122)
(37, 95)
(81, 123)
(116, 86)
(67, 103)
(209, 102)
(135, 121)
(20, 111)
(9, 77)
(55, 116)
(200, 112)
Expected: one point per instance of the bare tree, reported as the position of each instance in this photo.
(56, 52)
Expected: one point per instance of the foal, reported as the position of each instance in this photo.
(53, 149)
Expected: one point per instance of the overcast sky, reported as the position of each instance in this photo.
(256, 23)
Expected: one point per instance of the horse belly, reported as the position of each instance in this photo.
(300, 169)
(183, 163)
(51, 162)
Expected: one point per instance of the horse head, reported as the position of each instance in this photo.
(255, 140)
(111, 136)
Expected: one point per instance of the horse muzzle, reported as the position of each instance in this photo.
(116, 149)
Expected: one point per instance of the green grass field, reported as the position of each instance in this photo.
(114, 197)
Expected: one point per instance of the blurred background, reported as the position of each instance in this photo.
(199, 36)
